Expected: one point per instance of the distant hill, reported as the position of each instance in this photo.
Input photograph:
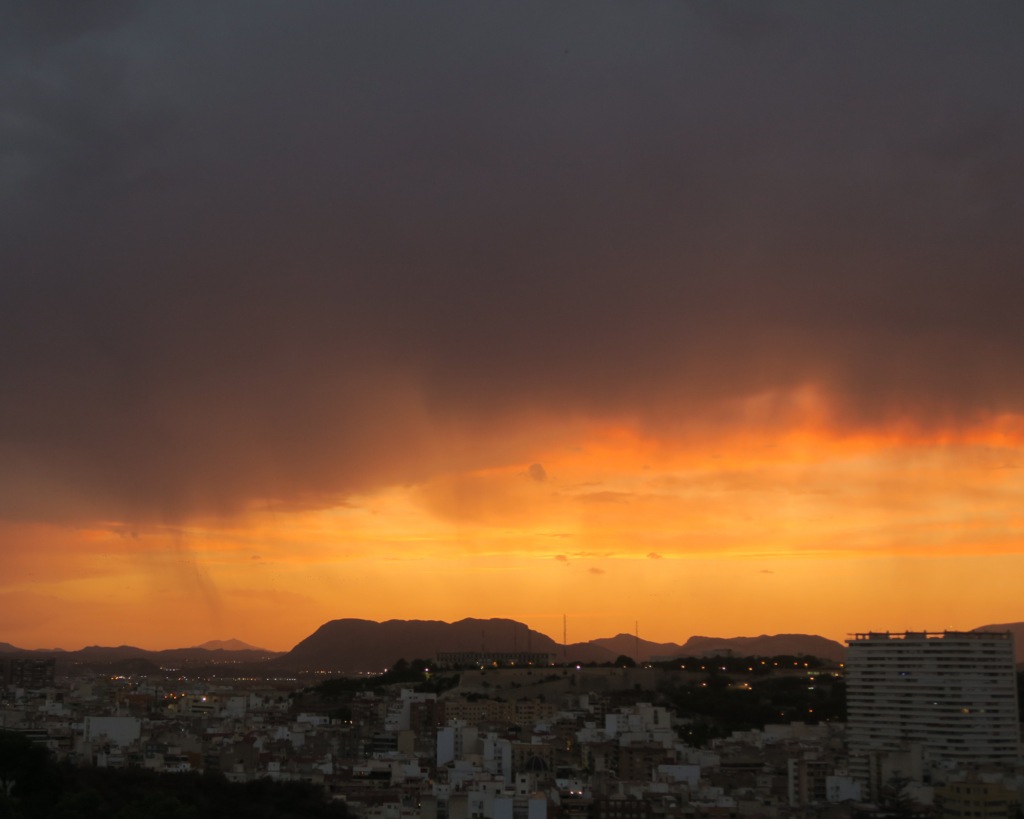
(107, 654)
(351, 645)
(589, 652)
(628, 644)
(767, 645)
(132, 656)
(366, 645)
(1017, 630)
(7, 648)
(231, 645)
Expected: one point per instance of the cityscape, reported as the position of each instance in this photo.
(920, 724)
(529, 410)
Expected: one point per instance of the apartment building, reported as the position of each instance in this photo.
(917, 699)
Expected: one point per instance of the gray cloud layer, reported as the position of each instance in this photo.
(289, 250)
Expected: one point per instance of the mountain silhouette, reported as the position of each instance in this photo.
(353, 645)
(366, 645)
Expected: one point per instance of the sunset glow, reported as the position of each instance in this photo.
(694, 316)
(737, 534)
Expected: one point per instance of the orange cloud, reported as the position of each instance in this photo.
(796, 530)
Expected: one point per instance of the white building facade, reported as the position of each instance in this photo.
(919, 699)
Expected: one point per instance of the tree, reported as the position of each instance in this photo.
(22, 762)
(895, 799)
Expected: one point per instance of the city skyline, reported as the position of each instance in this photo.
(697, 316)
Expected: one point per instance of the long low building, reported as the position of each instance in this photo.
(483, 658)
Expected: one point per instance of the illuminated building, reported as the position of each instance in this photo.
(917, 699)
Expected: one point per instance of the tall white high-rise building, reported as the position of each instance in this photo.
(916, 699)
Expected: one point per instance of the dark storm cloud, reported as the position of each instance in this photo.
(286, 251)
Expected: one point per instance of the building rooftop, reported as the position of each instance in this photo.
(928, 635)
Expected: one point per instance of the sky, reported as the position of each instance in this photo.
(685, 318)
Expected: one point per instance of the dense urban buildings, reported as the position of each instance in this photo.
(26, 672)
(932, 733)
(917, 700)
